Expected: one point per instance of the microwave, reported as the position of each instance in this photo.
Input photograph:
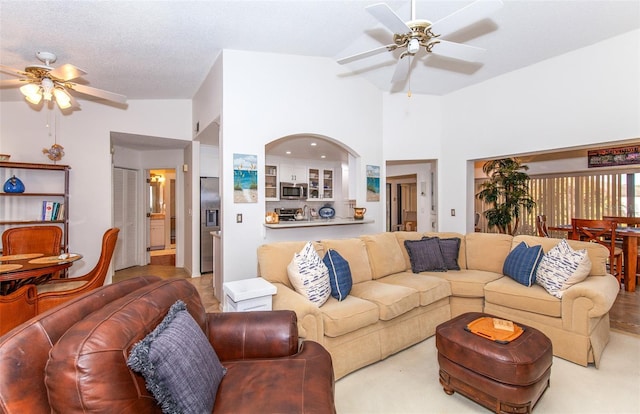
(291, 191)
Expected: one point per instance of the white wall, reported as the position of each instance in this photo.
(588, 96)
(85, 136)
(269, 96)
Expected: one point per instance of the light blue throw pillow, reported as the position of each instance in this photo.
(522, 263)
(339, 274)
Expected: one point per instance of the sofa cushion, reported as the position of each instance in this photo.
(450, 249)
(431, 289)
(392, 300)
(385, 254)
(467, 283)
(522, 262)
(562, 267)
(401, 236)
(354, 251)
(351, 314)
(309, 275)
(511, 294)
(273, 259)
(487, 251)
(339, 274)
(178, 363)
(425, 255)
(462, 254)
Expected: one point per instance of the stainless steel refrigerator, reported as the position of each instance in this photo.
(209, 220)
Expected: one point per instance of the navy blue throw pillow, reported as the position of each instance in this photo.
(339, 274)
(425, 255)
(522, 263)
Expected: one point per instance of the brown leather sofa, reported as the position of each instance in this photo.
(73, 358)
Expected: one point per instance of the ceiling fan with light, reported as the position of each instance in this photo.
(43, 81)
(417, 33)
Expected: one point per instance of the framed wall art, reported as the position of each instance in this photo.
(373, 183)
(245, 178)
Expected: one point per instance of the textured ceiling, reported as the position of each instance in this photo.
(164, 49)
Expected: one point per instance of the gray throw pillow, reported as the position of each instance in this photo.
(425, 255)
(450, 249)
(179, 365)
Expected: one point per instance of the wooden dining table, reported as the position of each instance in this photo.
(22, 269)
(630, 237)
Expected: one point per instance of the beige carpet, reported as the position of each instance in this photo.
(408, 383)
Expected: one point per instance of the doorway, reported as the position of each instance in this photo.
(161, 215)
(403, 212)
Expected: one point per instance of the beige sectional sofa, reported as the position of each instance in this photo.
(390, 308)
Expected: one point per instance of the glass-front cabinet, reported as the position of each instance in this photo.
(320, 184)
(271, 182)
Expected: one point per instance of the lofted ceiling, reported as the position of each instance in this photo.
(164, 49)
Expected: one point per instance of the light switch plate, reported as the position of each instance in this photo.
(239, 218)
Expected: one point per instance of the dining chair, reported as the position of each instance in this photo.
(604, 233)
(627, 222)
(58, 291)
(33, 239)
(17, 307)
(541, 225)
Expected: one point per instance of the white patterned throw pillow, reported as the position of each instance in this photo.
(309, 275)
(562, 267)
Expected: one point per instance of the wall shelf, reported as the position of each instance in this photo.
(14, 211)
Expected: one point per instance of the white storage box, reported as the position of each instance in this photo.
(248, 295)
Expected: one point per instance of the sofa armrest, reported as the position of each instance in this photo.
(246, 335)
(310, 322)
(591, 298)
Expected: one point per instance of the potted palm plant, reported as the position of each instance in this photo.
(507, 193)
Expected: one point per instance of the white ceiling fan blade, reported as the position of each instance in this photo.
(67, 72)
(99, 93)
(12, 71)
(388, 17)
(368, 53)
(457, 51)
(402, 69)
(12, 82)
(475, 11)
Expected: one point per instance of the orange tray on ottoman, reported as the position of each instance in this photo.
(506, 377)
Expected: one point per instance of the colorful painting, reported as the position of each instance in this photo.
(373, 183)
(245, 178)
(610, 157)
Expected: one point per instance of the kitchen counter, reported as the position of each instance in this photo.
(317, 223)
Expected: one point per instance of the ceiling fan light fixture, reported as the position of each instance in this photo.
(62, 98)
(31, 93)
(413, 46)
(47, 88)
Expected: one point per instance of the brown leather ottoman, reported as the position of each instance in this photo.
(505, 378)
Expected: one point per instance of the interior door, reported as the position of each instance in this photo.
(125, 194)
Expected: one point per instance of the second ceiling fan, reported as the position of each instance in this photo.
(417, 33)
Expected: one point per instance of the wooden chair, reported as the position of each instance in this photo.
(541, 225)
(627, 222)
(33, 239)
(17, 307)
(604, 233)
(61, 290)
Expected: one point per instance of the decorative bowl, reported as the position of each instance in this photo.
(326, 212)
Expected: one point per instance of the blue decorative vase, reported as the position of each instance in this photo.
(13, 185)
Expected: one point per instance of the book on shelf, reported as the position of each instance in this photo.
(52, 211)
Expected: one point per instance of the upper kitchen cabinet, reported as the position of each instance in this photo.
(295, 174)
(320, 184)
(271, 182)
